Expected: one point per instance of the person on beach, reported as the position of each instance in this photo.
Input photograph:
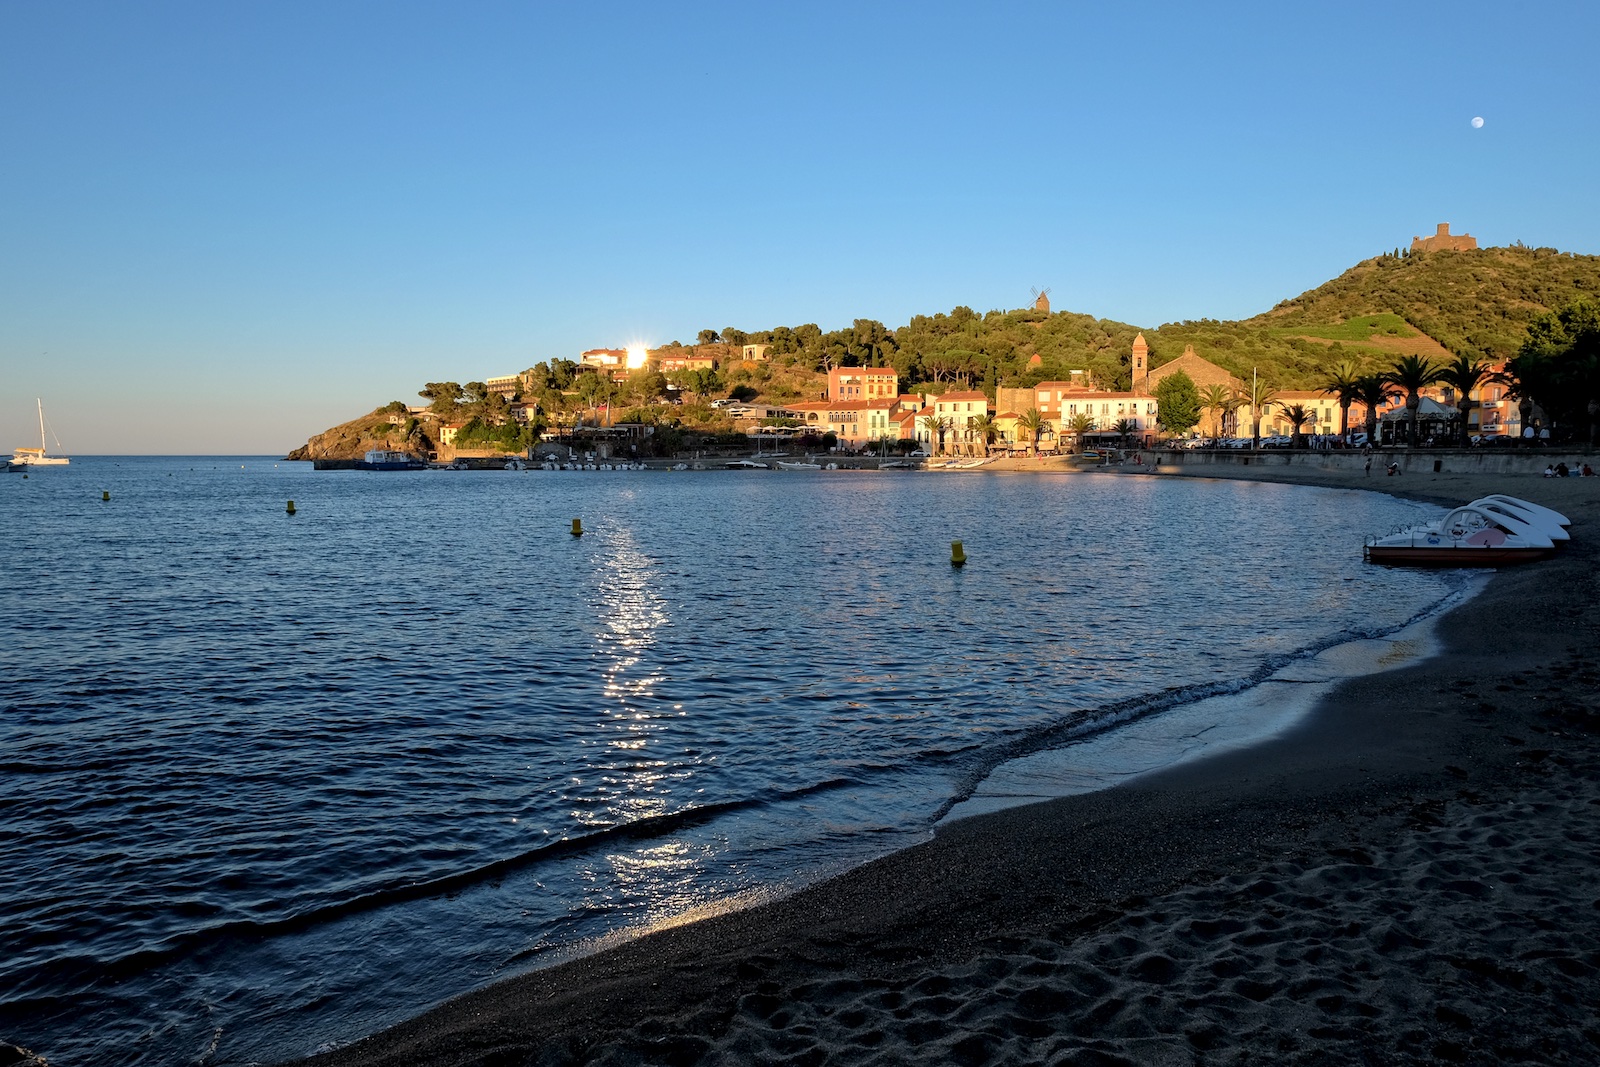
(1369, 466)
(1394, 468)
(1561, 470)
(1588, 471)
(1549, 471)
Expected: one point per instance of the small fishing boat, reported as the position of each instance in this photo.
(1472, 535)
(783, 466)
(745, 465)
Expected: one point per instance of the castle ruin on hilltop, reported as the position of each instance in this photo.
(1444, 241)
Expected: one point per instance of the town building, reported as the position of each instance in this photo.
(506, 385)
(756, 353)
(957, 411)
(604, 358)
(855, 423)
(1200, 371)
(863, 383)
(687, 359)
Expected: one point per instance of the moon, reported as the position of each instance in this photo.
(1477, 122)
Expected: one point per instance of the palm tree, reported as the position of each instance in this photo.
(1412, 374)
(936, 427)
(1465, 374)
(1035, 423)
(1341, 383)
(1125, 428)
(1373, 390)
(1258, 396)
(1297, 416)
(1080, 425)
(1220, 401)
(984, 428)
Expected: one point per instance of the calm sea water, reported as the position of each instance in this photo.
(269, 783)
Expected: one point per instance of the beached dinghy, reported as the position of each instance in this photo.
(1470, 536)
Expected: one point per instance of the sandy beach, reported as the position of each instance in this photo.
(1408, 876)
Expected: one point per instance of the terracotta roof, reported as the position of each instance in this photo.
(968, 395)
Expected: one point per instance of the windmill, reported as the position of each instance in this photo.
(1041, 299)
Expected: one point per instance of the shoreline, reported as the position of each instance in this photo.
(1401, 875)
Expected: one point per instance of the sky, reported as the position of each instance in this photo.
(225, 227)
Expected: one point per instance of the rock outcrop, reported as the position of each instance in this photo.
(353, 439)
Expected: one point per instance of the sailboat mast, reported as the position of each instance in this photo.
(41, 425)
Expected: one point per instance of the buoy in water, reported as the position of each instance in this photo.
(105, 495)
(958, 555)
(290, 509)
(577, 527)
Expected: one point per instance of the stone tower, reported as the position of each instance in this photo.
(1443, 240)
(1140, 367)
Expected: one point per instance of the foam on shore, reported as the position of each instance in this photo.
(1222, 723)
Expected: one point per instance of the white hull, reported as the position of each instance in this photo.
(36, 457)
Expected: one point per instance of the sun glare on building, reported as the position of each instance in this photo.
(637, 354)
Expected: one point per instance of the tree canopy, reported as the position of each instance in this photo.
(1178, 402)
(1558, 365)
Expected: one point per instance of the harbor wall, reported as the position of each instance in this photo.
(1448, 460)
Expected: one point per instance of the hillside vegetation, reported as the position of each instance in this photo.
(1439, 304)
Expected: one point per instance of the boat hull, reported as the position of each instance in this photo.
(1453, 556)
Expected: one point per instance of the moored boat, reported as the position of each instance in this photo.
(380, 459)
(23, 458)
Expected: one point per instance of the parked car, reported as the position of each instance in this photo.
(921, 453)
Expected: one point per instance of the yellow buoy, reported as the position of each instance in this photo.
(577, 527)
(105, 496)
(958, 555)
(290, 508)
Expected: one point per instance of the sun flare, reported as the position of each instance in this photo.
(637, 354)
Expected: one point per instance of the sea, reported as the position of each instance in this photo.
(270, 782)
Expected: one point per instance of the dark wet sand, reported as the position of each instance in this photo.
(1409, 877)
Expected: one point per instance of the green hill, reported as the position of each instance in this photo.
(1435, 304)
(1476, 303)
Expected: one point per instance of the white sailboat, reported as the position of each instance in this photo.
(37, 457)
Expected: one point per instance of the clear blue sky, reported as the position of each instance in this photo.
(227, 226)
